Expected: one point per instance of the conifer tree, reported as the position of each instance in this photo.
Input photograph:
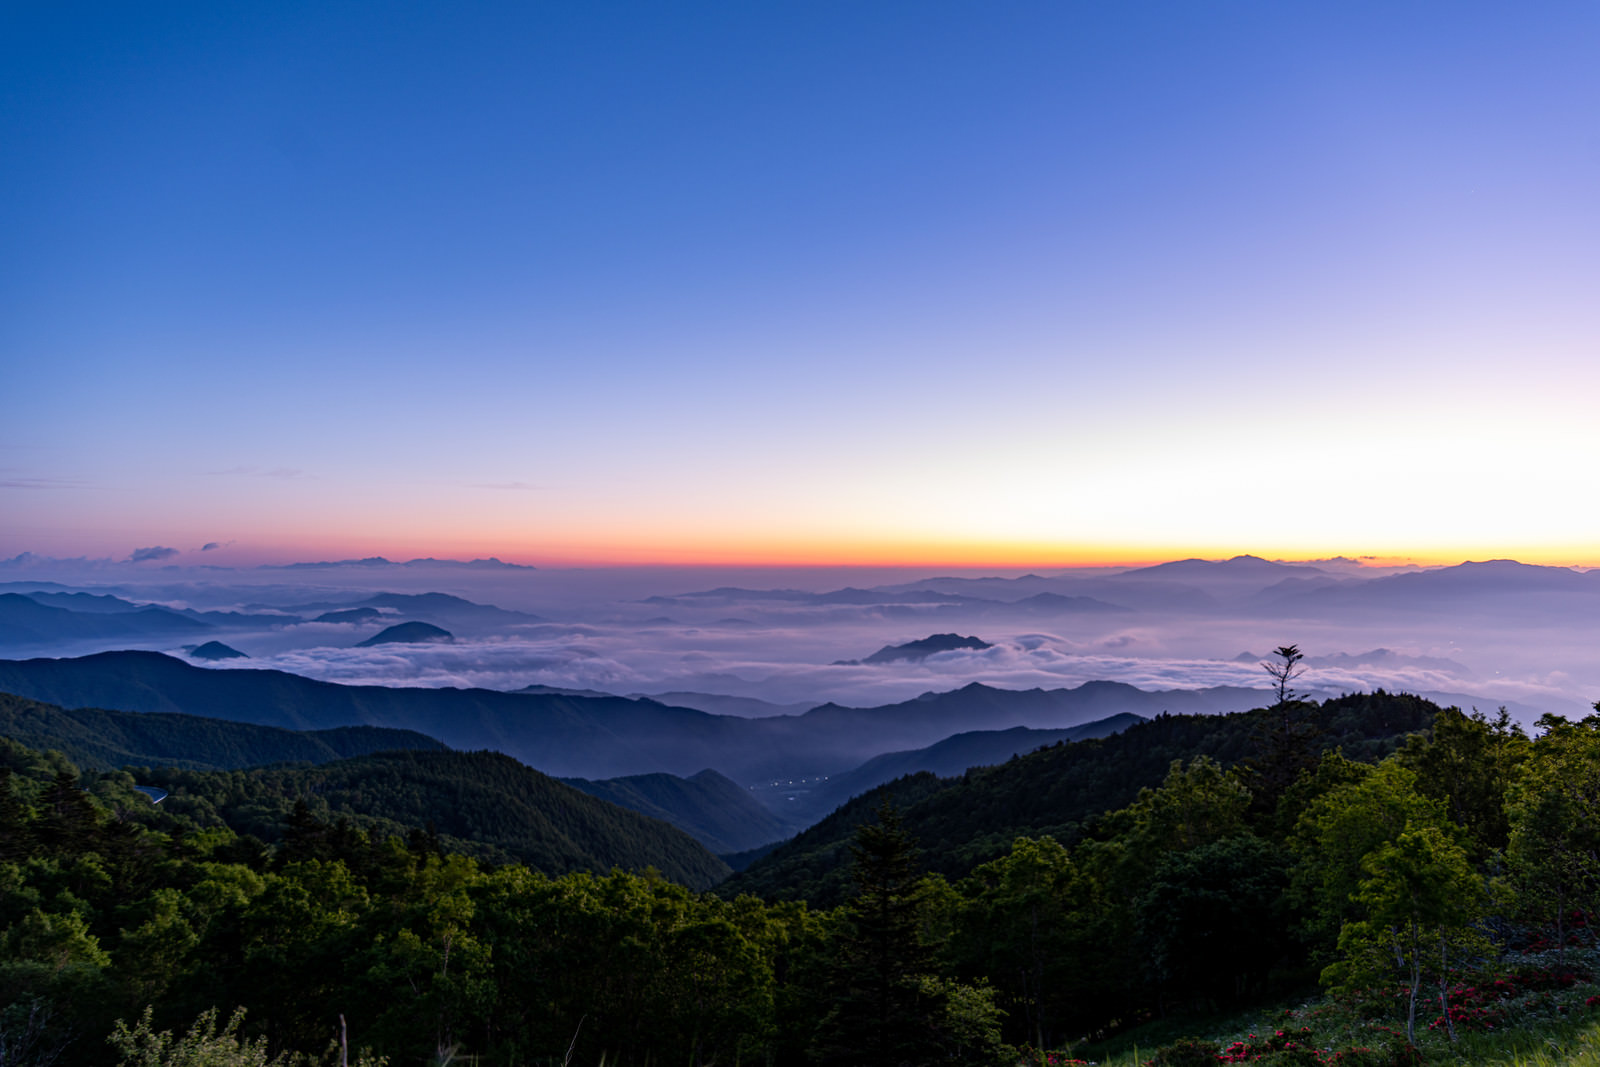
(16, 836)
(67, 818)
(883, 1015)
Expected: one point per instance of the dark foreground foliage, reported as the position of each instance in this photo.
(1256, 865)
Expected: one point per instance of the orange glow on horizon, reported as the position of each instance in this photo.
(685, 552)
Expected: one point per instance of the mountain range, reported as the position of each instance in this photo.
(40, 617)
(590, 737)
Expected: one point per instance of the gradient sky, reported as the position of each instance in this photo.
(1013, 283)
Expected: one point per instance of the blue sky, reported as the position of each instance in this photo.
(1021, 282)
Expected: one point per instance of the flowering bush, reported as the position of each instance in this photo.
(1282, 1047)
(1477, 1007)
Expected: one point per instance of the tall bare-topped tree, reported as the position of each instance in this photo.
(1287, 738)
(1284, 670)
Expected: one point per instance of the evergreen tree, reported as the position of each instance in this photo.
(883, 1015)
(67, 819)
(16, 836)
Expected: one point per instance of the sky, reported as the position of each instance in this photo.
(923, 283)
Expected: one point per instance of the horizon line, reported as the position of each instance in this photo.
(242, 558)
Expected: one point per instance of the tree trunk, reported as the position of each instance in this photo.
(1416, 987)
(1444, 987)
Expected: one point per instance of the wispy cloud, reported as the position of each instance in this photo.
(33, 560)
(154, 552)
(9, 480)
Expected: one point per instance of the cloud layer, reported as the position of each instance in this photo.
(611, 630)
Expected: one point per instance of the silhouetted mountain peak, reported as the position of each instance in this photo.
(409, 633)
(923, 648)
(216, 650)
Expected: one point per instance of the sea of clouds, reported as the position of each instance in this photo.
(635, 631)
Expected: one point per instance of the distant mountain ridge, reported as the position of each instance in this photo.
(1239, 568)
(24, 620)
(593, 737)
(422, 607)
(39, 617)
(493, 563)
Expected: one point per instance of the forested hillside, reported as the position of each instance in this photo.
(968, 820)
(480, 804)
(96, 739)
(1456, 872)
(708, 807)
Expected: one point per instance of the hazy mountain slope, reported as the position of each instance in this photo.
(709, 807)
(102, 740)
(719, 704)
(428, 607)
(565, 735)
(932, 717)
(82, 603)
(961, 822)
(1150, 594)
(1494, 587)
(24, 621)
(89, 603)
